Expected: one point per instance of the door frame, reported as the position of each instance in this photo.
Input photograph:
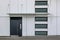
(21, 23)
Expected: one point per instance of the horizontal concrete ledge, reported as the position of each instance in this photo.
(28, 13)
(31, 36)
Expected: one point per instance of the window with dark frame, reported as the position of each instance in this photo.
(41, 18)
(41, 3)
(41, 10)
(40, 32)
(40, 26)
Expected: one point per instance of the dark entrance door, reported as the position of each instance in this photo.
(16, 26)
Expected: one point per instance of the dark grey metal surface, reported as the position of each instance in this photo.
(16, 26)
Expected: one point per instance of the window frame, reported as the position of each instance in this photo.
(41, 2)
(41, 10)
(41, 20)
(41, 27)
(41, 33)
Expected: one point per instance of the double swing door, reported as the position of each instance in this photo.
(16, 26)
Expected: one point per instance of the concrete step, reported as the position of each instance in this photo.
(31, 38)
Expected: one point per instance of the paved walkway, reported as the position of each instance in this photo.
(32, 38)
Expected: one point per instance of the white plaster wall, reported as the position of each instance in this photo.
(4, 26)
(58, 25)
(52, 25)
(54, 10)
(3, 7)
(58, 7)
(52, 7)
(31, 6)
(28, 7)
(13, 6)
(58, 17)
(52, 17)
(24, 26)
(18, 6)
(30, 25)
(4, 18)
(22, 6)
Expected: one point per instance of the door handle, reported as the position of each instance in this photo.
(20, 26)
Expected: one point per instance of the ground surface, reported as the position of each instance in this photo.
(31, 38)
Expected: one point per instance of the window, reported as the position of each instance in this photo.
(40, 25)
(40, 32)
(41, 3)
(40, 9)
(41, 19)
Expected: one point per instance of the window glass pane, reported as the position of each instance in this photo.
(41, 3)
(41, 19)
(40, 32)
(40, 9)
(40, 25)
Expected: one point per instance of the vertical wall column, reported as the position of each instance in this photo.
(58, 17)
(52, 25)
(30, 25)
(52, 18)
(4, 26)
(24, 26)
(28, 28)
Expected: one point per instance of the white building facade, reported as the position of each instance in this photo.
(29, 17)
